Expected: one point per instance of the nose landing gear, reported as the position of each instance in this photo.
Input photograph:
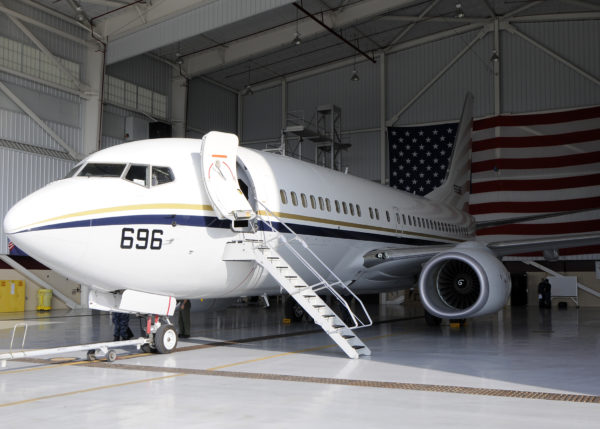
(163, 337)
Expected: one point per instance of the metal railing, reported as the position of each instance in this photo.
(322, 283)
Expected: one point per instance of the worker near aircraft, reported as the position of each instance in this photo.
(184, 318)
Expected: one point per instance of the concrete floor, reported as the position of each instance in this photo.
(243, 368)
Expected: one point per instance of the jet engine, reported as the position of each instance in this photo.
(466, 281)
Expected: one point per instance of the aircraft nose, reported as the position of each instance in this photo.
(12, 219)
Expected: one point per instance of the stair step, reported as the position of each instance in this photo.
(291, 277)
(358, 347)
(328, 315)
(318, 306)
(282, 267)
(272, 257)
(347, 337)
(338, 326)
(309, 296)
(300, 286)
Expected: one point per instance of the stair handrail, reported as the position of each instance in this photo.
(358, 323)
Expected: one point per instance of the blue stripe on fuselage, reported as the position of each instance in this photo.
(213, 222)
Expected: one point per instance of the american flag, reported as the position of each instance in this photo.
(419, 156)
(540, 163)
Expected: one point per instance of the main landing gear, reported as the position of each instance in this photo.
(163, 337)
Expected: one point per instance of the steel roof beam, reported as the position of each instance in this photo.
(243, 49)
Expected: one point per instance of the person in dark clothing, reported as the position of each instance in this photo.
(121, 328)
(184, 318)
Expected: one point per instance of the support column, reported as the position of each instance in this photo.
(496, 64)
(92, 103)
(179, 89)
(382, 121)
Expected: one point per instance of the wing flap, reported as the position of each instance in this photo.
(515, 247)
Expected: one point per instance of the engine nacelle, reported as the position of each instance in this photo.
(464, 282)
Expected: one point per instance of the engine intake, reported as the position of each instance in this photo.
(465, 282)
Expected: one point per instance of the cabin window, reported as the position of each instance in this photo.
(294, 198)
(328, 204)
(397, 218)
(283, 196)
(137, 174)
(387, 215)
(351, 209)
(371, 212)
(161, 175)
(409, 221)
(313, 202)
(419, 222)
(321, 204)
(358, 211)
(345, 207)
(303, 197)
(414, 221)
(377, 214)
(337, 206)
(404, 219)
(102, 170)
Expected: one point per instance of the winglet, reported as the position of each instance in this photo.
(456, 188)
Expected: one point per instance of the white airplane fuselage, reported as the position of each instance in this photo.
(115, 233)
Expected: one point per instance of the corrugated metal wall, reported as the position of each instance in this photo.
(144, 71)
(210, 108)
(531, 80)
(410, 70)
(262, 115)
(22, 172)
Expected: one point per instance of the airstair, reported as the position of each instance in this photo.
(268, 252)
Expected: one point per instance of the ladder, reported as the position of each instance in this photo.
(265, 252)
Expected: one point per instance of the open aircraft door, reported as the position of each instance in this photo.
(219, 156)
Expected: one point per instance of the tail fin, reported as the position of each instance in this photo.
(456, 187)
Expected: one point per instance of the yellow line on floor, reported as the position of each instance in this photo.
(312, 349)
(48, 366)
(91, 389)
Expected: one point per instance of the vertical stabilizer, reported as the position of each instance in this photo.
(456, 188)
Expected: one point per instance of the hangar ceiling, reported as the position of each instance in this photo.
(237, 43)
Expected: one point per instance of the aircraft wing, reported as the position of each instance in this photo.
(555, 242)
(394, 259)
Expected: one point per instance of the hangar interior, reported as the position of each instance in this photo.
(330, 82)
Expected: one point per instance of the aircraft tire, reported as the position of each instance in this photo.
(165, 339)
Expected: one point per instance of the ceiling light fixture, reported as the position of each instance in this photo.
(297, 40)
(248, 88)
(494, 58)
(459, 11)
(354, 77)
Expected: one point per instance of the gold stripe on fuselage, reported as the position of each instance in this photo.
(206, 207)
(158, 206)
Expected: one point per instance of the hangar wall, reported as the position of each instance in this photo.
(29, 156)
(213, 107)
(530, 80)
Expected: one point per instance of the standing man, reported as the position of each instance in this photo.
(121, 329)
(184, 318)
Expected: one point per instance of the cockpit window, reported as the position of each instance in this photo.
(138, 174)
(73, 171)
(161, 175)
(102, 170)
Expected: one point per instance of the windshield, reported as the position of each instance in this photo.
(102, 170)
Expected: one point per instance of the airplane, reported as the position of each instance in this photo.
(148, 222)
